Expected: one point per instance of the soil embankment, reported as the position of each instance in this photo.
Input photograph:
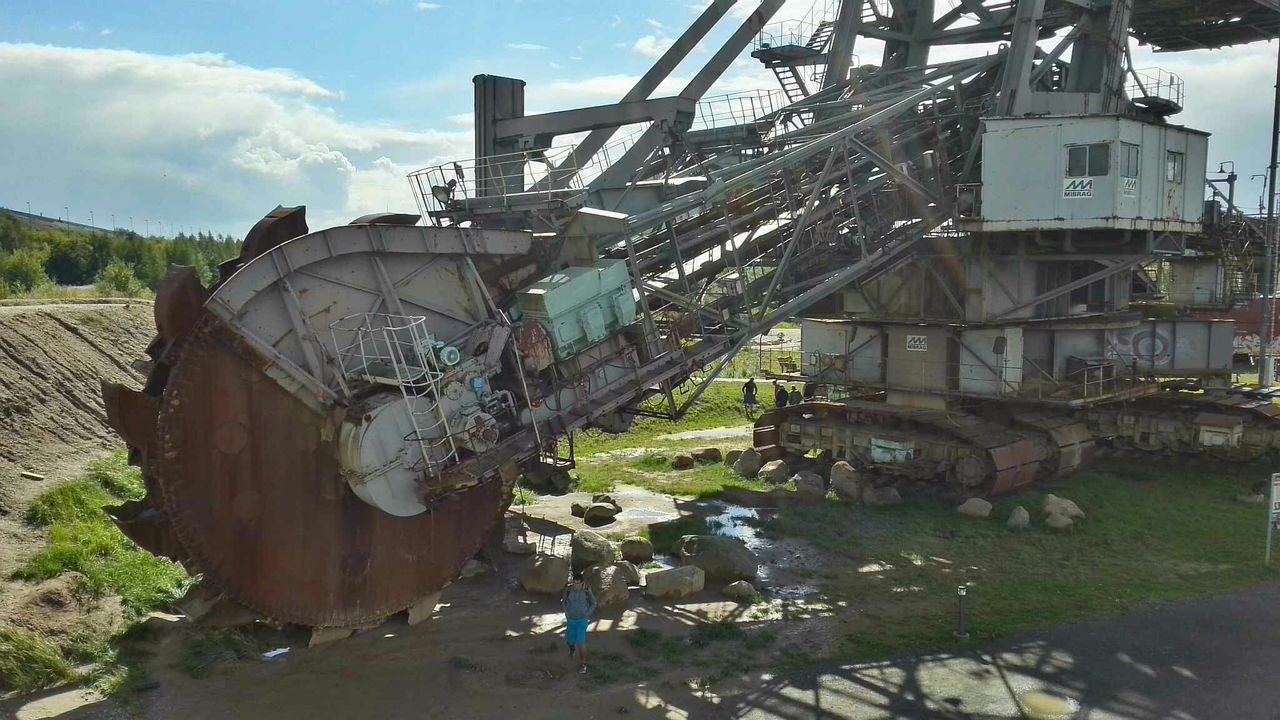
(53, 358)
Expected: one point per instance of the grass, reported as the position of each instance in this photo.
(654, 472)
(29, 662)
(719, 406)
(1156, 531)
(82, 539)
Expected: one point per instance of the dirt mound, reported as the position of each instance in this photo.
(53, 358)
(60, 608)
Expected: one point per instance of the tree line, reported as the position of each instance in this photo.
(35, 261)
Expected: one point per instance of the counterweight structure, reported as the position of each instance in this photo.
(332, 430)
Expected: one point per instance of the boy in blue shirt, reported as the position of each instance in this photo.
(579, 605)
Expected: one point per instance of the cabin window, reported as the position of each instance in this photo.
(1088, 160)
(1130, 161)
(1174, 165)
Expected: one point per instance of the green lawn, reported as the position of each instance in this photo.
(83, 539)
(1158, 529)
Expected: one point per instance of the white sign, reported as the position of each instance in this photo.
(1077, 188)
(1130, 188)
(918, 343)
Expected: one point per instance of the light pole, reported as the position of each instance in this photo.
(1267, 376)
(30, 222)
(113, 222)
(67, 210)
(90, 218)
(148, 221)
(131, 225)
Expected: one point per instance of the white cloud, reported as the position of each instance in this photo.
(652, 46)
(654, 24)
(527, 47)
(106, 32)
(196, 138)
(426, 6)
(616, 21)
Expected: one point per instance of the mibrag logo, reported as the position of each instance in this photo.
(1077, 188)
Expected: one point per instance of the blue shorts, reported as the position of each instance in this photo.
(577, 632)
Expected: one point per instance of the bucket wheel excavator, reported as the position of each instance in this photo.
(332, 430)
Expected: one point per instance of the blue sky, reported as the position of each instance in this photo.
(207, 114)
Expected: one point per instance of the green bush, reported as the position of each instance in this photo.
(117, 279)
(23, 271)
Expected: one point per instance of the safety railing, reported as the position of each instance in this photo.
(533, 174)
(1091, 382)
(797, 32)
(398, 351)
(1155, 83)
(738, 108)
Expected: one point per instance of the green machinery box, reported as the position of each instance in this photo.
(580, 306)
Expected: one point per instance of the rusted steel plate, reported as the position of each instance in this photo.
(250, 482)
(131, 414)
(1016, 465)
(179, 304)
(149, 527)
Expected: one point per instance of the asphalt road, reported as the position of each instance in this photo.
(1214, 659)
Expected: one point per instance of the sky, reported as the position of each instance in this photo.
(206, 114)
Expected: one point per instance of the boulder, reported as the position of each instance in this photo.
(1058, 521)
(547, 575)
(975, 507)
(722, 558)
(609, 584)
(810, 484)
(731, 457)
(741, 591)
(682, 462)
(578, 509)
(637, 550)
(1062, 506)
(675, 583)
(881, 496)
(748, 464)
(707, 455)
(846, 482)
(774, 472)
(515, 537)
(1019, 519)
(598, 514)
(590, 548)
(607, 500)
(629, 571)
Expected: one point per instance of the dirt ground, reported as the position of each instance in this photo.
(53, 358)
(490, 650)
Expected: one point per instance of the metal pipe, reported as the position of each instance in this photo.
(1267, 375)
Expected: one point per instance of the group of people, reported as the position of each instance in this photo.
(782, 396)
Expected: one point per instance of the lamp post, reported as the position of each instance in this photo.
(962, 594)
(1267, 374)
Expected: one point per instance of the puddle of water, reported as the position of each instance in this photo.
(738, 522)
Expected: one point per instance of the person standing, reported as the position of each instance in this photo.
(749, 395)
(794, 396)
(779, 395)
(579, 605)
